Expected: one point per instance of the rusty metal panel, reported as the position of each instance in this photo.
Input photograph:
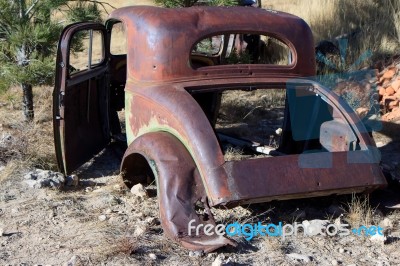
(302, 176)
(179, 189)
(159, 46)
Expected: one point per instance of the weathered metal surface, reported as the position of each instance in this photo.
(162, 52)
(302, 176)
(179, 188)
(79, 106)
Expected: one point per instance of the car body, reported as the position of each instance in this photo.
(172, 89)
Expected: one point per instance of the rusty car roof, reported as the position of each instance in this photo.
(160, 41)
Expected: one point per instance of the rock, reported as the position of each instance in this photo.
(389, 74)
(314, 227)
(1, 232)
(139, 230)
(72, 180)
(391, 116)
(278, 131)
(396, 85)
(43, 178)
(75, 260)
(299, 257)
(378, 239)
(386, 223)
(153, 256)
(151, 221)
(230, 261)
(88, 189)
(196, 253)
(6, 140)
(334, 262)
(102, 218)
(389, 91)
(381, 90)
(218, 261)
(341, 250)
(139, 191)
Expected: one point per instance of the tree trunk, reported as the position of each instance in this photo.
(27, 101)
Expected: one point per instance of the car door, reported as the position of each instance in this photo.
(80, 97)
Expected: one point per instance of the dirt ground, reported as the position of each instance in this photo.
(99, 222)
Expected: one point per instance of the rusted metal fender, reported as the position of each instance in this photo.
(172, 109)
(179, 189)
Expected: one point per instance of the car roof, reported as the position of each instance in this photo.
(160, 41)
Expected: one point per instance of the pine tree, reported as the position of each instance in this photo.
(29, 31)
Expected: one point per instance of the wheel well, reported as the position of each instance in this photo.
(136, 169)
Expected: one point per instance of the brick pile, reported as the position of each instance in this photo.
(388, 86)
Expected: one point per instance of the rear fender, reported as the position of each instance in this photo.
(179, 187)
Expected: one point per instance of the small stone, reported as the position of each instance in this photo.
(153, 256)
(43, 178)
(88, 189)
(299, 257)
(73, 261)
(196, 253)
(314, 227)
(334, 262)
(218, 261)
(378, 239)
(72, 180)
(341, 250)
(139, 191)
(1, 232)
(386, 223)
(230, 261)
(139, 230)
(108, 211)
(151, 220)
(102, 218)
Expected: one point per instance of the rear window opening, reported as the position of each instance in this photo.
(250, 121)
(240, 48)
(264, 121)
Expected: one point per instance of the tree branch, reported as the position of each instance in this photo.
(31, 7)
(103, 4)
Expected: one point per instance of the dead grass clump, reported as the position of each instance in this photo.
(233, 154)
(358, 211)
(26, 144)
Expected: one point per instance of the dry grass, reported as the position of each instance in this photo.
(233, 154)
(377, 23)
(26, 144)
(359, 211)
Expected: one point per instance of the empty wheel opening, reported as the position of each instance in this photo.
(135, 170)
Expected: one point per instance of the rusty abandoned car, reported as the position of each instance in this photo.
(218, 109)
